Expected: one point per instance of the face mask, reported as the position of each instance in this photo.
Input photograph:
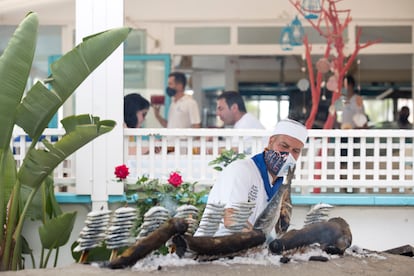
(344, 91)
(278, 163)
(171, 91)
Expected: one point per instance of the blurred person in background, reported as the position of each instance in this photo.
(403, 115)
(136, 108)
(353, 114)
(232, 111)
(183, 111)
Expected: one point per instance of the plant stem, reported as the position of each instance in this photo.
(49, 252)
(56, 257)
(18, 231)
(11, 226)
(42, 256)
(33, 260)
(2, 201)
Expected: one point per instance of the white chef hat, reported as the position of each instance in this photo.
(291, 128)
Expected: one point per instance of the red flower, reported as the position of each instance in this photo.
(121, 171)
(175, 179)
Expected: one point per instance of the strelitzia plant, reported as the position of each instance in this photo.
(225, 158)
(31, 186)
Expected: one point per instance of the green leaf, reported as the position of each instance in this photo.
(52, 206)
(56, 232)
(44, 205)
(8, 176)
(15, 66)
(26, 249)
(35, 212)
(39, 163)
(68, 72)
(32, 113)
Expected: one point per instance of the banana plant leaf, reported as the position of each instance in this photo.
(15, 65)
(32, 113)
(56, 232)
(52, 207)
(68, 72)
(44, 205)
(8, 176)
(35, 212)
(38, 164)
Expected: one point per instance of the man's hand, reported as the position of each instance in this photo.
(156, 108)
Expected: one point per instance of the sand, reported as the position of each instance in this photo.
(378, 264)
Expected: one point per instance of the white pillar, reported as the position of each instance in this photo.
(231, 79)
(412, 85)
(101, 94)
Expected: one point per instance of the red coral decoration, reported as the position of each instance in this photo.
(329, 16)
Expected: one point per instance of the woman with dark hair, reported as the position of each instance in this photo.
(135, 109)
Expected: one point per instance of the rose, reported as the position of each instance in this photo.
(175, 179)
(121, 171)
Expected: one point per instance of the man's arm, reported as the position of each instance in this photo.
(158, 116)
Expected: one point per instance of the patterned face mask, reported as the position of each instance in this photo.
(278, 163)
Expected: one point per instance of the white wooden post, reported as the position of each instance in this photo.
(101, 94)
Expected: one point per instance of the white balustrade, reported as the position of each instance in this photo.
(364, 161)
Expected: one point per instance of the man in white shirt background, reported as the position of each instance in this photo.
(232, 111)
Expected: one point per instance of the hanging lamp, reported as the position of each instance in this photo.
(286, 38)
(297, 32)
(311, 8)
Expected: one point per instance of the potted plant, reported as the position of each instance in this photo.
(32, 183)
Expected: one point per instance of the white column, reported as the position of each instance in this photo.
(67, 44)
(101, 94)
(412, 77)
(231, 79)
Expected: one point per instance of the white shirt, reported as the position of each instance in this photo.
(350, 109)
(239, 182)
(183, 113)
(248, 121)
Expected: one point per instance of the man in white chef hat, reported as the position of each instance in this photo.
(255, 180)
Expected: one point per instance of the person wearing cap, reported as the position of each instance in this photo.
(258, 178)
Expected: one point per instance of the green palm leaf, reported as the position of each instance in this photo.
(40, 104)
(56, 232)
(33, 113)
(8, 176)
(39, 163)
(15, 65)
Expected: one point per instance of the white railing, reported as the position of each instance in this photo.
(332, 160)
(375, 161)
(64, 174)
(358, 160)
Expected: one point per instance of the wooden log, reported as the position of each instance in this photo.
(146, 245)
(333, 236)
(405, 250)
(215, 247)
